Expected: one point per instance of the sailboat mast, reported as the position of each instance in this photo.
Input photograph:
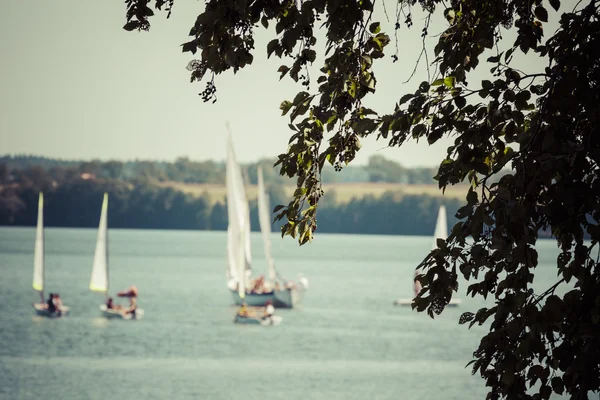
(106, 247)
(42, 297)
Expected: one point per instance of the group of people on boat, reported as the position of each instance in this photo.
(266, 312)
(260, 285)
(131, 293)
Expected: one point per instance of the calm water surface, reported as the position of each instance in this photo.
(345, 341)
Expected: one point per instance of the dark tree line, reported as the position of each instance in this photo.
(77, 203)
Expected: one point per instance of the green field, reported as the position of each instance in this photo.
(344, 192)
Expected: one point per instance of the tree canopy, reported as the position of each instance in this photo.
(541, 124)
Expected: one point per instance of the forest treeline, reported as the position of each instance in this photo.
(73, 195)
(378, 169)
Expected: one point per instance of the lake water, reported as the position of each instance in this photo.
(345, 341)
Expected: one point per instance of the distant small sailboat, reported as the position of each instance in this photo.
(441, 232)
(39, 267)
(99, 280)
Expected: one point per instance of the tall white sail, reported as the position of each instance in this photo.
(232, 272)
(441, 227)
(38, 255)
(441, 232)
(238, 218)
(264, 217)
(247, 228)
(99, 281)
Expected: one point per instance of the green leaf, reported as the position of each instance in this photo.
(541, 13)
(419, 130)
(374, 28)
(264, 21)
(283, 69)
(460, 101)
(450, 15)
(437, 82)
(352, 89)
(189, 46)
(557, 385)
(131, 25)
(449, 81)
(406, 98)
(508, 54)
(300, 97)
(285, 106)
(464, 318)
(272, 46)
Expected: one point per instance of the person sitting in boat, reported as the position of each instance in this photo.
(290, 285)
(50, 304)
(57, 301)
(54, 304)
(267, 287)
(112, 306)
(258, 285)
(243, 311)
(132, 293)
(269, 311)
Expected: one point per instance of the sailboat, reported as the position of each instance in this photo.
(238, 237)
(39, 267)
(237, 253)
(441, 232)
(99, 280)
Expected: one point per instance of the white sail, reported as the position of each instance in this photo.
(99, 281)
(264, 216)
(38, 255)
(441, 232)
(231, 257)
(247, 228)
(238, 218)
(441, 227)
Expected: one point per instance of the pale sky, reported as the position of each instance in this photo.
(75, 85)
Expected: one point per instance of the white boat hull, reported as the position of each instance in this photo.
(274, 320)
(286, 298)
(408, 302)
(110, 313)
(41, 309)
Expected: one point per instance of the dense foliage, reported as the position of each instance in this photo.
(541, 123)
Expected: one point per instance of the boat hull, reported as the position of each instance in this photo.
(408, 302)
(274, 320)
(287, 298)
(114, 314)
(41, 309)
